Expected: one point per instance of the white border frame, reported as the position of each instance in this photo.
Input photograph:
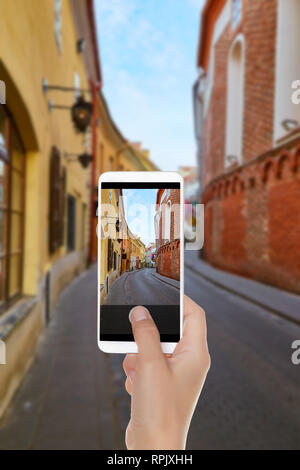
(123, 347)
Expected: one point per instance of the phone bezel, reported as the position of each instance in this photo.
(124, 347)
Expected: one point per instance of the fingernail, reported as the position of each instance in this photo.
(138, 314)
(131, 374)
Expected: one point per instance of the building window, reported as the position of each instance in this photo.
(57, 199)
(167, 228)
(12, 168)
(236, 12)
(235, 104)
(71, 223)
(111, 163)
(77, 92)
(58, 24)
(110, 251)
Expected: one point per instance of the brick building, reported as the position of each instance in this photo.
(167, 220)
(248, 135)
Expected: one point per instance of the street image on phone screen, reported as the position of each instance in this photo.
(139, 230)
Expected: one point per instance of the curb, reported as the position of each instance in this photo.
(165, 282)
(250, 299)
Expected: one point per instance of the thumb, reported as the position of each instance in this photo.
(146, 334)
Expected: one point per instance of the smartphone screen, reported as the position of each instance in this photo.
(139, 260)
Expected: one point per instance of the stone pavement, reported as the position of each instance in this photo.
(70, 398)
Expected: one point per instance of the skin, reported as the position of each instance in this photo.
(165, 389)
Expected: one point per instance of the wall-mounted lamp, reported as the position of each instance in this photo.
(84, 159)
(81, 113)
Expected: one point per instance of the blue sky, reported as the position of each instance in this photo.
(148, 57)
(139, 207)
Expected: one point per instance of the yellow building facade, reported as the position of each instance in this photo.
(111, 243)
(45, 196)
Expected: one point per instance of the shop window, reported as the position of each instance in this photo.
(71, 242)
(83, 222)
(12, 168)
(57, 199)
(110, 251)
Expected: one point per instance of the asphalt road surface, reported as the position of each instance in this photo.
(143, 287)
(251, 399)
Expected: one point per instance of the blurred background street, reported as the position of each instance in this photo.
(74, 397)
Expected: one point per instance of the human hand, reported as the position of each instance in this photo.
(165, 390)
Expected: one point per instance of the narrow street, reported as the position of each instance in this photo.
(143, 286)
(74, 396)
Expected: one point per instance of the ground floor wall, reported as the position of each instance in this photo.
(252, 220)
(22, 325)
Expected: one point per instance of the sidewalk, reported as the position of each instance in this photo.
(277, 301)
(69, 398)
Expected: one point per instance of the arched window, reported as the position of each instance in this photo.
(235, 103)
(167, 228)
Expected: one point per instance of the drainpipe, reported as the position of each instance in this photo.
(95, 88)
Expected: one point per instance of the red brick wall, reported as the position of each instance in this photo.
(168, 252)
(168, 260)
(284, 230)
(256, 230)
(214, 126)
(233, 250)
(259, 30)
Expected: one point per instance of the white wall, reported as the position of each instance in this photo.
(287, 64)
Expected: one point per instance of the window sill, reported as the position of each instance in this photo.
(15, 315)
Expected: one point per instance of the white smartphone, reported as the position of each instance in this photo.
(140, 256)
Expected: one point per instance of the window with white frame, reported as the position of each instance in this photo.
(235, 103)
(58, 24)
(167, 227)
(236, 12)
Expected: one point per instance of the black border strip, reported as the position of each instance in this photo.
(133, 185)
(123, 337)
